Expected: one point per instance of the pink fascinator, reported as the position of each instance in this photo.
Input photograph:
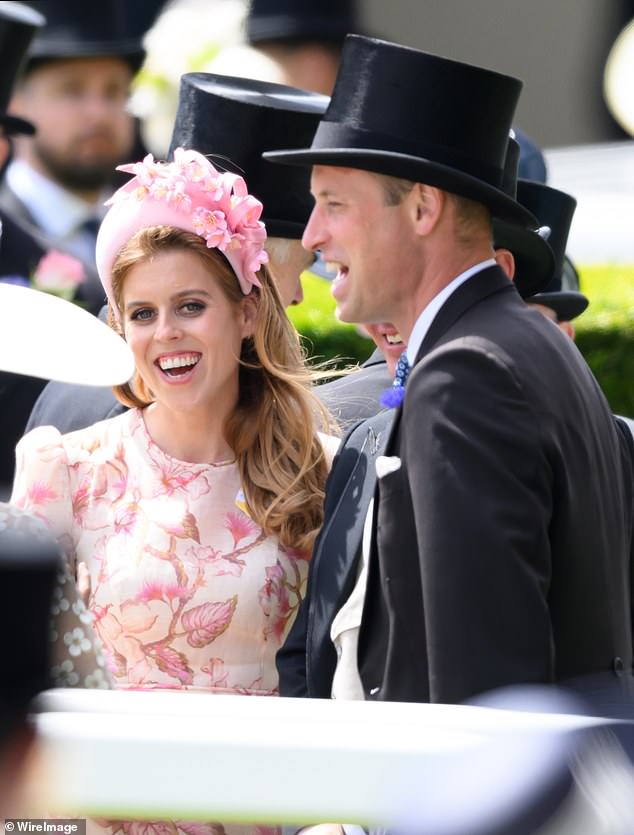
(190, 194)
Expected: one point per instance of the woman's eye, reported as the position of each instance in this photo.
(192, 307)
(142, 314)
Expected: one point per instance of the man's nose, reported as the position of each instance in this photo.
(314, 235)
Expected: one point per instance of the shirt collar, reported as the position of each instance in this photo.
(54, 209)
(425, 319)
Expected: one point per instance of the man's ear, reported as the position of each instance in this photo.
(505, 259)
(426, 206)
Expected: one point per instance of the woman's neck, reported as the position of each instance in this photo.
(197, 437)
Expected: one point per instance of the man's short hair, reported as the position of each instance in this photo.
(395, 189)
(471, 216)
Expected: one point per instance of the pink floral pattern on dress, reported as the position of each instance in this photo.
(187, 592)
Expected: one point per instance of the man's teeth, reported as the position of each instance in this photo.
(178, 362)
(393, 340)
(333, 266)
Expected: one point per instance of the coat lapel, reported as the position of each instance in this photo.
(473, 290)
(336, 555)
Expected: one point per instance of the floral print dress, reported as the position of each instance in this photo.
(187, 592)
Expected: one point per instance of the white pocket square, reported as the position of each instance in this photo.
(386, 464)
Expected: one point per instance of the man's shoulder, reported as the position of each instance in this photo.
(69, 407)
(356, 395)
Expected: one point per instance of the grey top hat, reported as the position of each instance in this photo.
(234, 120)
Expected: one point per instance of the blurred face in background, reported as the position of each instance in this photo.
(78, 106)
(388, 340)
(287, 261)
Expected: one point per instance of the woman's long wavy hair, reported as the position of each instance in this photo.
(273, 430)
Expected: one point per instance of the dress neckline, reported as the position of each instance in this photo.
(156, 452)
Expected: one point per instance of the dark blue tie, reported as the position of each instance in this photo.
(393, 397)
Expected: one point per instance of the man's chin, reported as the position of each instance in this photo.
(90, 178)
(83, 173)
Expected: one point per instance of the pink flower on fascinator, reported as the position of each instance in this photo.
(212, 226)
(188, 193)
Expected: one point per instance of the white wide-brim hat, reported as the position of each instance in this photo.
(42, 335)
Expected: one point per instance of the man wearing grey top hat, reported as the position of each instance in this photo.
(492, 558)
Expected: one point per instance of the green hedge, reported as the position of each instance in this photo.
(326, 338)
(605, 332)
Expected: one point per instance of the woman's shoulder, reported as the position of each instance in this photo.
(100, 435)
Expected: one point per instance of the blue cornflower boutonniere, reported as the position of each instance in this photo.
(393, 397)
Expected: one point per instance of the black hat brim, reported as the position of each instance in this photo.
(567, 304)
(58, 50)
(277, 228)
(534, 259)
(414, 168)
(14, 124)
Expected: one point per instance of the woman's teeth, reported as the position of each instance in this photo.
(178, 362)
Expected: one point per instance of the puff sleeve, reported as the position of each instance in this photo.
(42, 485)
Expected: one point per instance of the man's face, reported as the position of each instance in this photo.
(79, 109)
(372, 244)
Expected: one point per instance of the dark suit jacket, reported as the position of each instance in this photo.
(356, 396)
(306, 662)
(501, 548)
(91, 292)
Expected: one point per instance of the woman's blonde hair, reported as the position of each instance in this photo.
(272, 430)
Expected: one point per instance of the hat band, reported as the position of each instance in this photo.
(336, 136)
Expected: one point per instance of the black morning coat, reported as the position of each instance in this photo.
(501, 551)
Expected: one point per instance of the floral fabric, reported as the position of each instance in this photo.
(187, 592)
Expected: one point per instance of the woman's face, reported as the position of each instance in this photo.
(184, 332)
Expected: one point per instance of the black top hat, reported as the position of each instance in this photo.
(28, 569)
(18, 25)
(86, 30)
(406, 113)
(233, 120)
(534, 258)
(300, 20)
(555, 209)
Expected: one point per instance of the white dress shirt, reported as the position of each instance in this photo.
(55, 210)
